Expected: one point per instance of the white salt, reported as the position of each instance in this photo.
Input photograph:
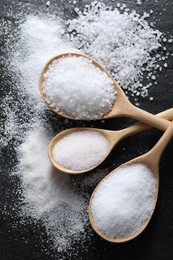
(124, 42)
(77, 87)
(139, 2)
(49, 195)
(32, 50)
(124, 201)
(81, 150)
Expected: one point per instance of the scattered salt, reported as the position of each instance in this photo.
(124, 47)
(77, 87)
(81, 150)
(124, 201)
(49, 195)
(32, 50)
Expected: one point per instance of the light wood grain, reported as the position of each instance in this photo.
(113, 138)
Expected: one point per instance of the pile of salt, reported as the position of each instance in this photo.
(124, 201)
(77, 87)
(81, 150)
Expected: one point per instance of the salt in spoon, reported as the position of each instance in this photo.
(113, 138)
(122, 106)
(151, 161)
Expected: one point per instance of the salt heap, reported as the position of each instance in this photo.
(78, 88)
(124, 201)
(121, 40)
(81, 150)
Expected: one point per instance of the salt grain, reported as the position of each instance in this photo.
(81, 150)
(139, 2)
(77, 87)
(124, 201)
(48, 3)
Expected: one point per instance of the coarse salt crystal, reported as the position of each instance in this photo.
(48, 3)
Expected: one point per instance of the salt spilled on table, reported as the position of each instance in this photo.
(50, 196)
(124, 201)
(81, 150)
(78, 88)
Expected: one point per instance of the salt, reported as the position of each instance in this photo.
(139, 2)
(48, 3)
(77, 87)
(124, 47)
(123, 44)
(81, 150)
(48, 194)
(124, 201)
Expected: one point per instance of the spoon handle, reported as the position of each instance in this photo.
(140, 127)
(146, 117)
(155, 153)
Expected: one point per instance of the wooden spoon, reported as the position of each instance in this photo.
(113, 137)
(151, 160)
(122, 106)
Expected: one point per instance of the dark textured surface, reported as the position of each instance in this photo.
(26, 240)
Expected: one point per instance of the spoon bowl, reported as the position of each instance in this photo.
(151, 160)
(108, 135)
(122, 106)
(113, 138)
(71, 54)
